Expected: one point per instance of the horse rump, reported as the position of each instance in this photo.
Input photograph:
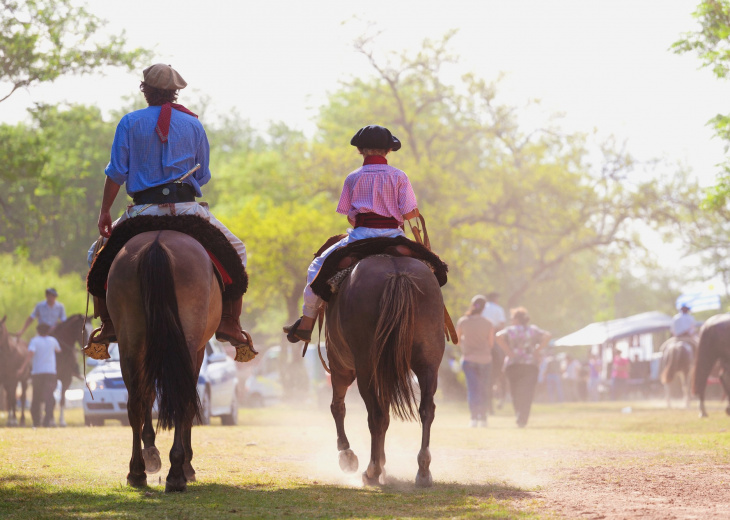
(391, 356)
(169, 370)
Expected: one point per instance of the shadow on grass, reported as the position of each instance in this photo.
(22, 498)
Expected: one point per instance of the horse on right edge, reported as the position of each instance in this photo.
(714, 346)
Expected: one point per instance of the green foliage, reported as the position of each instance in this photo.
(50, 194)
(711, 44)
(41, 40)
(23, 284)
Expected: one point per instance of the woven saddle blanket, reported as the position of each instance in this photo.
(210, 237)
(370, 247)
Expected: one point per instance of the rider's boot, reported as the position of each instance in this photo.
(229, 329)
(295, 334)
(98, 347)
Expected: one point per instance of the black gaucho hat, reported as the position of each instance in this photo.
(375, 137)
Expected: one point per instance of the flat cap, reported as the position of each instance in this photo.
(163, 77)
(375, 137)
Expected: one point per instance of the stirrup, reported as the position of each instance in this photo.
(96, 350)
(245, 352)
(294, 335)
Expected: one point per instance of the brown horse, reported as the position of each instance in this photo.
(13, 352)
(68, 334)
(677, 360)
(386, 321)
(164, 298)
(714, 346)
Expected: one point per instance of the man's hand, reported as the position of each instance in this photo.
(105, 224)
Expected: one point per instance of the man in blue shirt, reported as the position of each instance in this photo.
(49, 312)
(152, 148)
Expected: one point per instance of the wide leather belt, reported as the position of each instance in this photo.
(165, 194)
(373, 220)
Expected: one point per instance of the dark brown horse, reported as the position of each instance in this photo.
(714, 347)
(68, 334)
(677, 360)
(13, 352)
(386, 322)
(165, 301)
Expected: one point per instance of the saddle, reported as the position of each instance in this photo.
(223, 256)
(336, 262)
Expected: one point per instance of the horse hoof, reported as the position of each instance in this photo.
(424, 481)
(370, 481)
(137, 482)
(175, 487)
(727, 410)
(189, 472)
(703, 415)
(152, 462)
(348, 461)
(62, 424)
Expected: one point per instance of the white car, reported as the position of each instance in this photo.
(217, 388)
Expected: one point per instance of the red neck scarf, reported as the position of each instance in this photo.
(163, 122)
(375, 159)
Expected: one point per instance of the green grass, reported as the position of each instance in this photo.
(282, 463)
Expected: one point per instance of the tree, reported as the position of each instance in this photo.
(51, 191)
(711, 43)
(41, 40)
(509, 208)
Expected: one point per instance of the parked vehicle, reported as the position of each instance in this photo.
(217, 388)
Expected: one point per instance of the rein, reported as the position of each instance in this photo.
(320, 319)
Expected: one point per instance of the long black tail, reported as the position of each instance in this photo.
(168, 364)
(391, 357)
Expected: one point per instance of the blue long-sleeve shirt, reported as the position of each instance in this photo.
(141, 160)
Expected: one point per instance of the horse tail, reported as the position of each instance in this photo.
(169, 368)
(669, 360)
(391, 357)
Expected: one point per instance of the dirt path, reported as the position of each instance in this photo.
(642, 490)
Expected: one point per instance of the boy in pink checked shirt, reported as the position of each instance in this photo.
(376, 198)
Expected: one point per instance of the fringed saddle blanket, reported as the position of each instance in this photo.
(370, 247)
(200, 229)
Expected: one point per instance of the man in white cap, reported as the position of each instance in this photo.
(152, 148)
(50, 311)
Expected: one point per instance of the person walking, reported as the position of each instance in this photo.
(476, 339)
(522, 343)
(495, 314)
(42, 354)
(50, 312)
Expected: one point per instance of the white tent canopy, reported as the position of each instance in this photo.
(605, 331)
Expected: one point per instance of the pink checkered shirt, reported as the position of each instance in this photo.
(377, 188)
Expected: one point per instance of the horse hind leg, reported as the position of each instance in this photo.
(135, 411)
(341, 380)
(378, 422)
(176, 480)
(62, 405)
(150, 453)
(427, 380)
(188, 469)
(667, 394)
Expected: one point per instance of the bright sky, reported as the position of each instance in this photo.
(604, 65)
